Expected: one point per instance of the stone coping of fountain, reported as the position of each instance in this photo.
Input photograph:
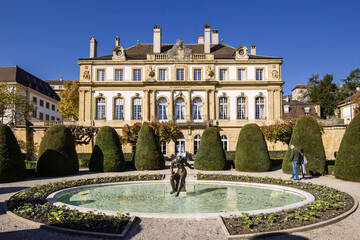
(308, 199)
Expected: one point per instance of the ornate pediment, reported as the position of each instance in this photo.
(179, 52)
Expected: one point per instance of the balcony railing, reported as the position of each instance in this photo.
(160, 57)
(198, 56)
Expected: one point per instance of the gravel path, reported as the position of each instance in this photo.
(203, 229)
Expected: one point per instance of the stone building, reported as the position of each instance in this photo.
(300, 93)
(57, 85)
(196, 85)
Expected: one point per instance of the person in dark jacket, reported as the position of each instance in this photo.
(294, 158)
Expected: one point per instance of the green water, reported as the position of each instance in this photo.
(200, 198)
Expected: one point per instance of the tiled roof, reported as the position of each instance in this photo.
(220, 51)
(16, 74)
(297, 109)
(299, 86)
(347, 100)
(55, 82)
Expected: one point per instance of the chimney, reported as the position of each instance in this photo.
(157, 39)
(215, 36)
(201, 39)
(93, 47)
(117, 41)
(253, 50)
(207, 38)
(61, 79)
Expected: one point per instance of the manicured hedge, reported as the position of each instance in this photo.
(148, 155)
(251, 151)
(107, 155)
(12, 164)
(210, 155)
(306, 135)
(57, 155)
(347, 164)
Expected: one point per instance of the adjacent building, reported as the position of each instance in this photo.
(36, 90)
(57, 85)
(300, 93)
(346, 109)
(196, 85)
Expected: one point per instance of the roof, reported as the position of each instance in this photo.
(20, 76)
(55, 82)
(347, 100)
(297, 109)
(299, 86)
(220, 51)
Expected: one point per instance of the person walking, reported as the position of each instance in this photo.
(294, 158)
(302, 163)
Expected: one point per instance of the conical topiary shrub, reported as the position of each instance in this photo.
(211, 155)
(57, 155)
(347, 163)
(251, 153)
(306, 135)
(107, 155)
(12, 165)
(148, 155)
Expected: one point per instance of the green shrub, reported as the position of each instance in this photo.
(306, 135)
(12, 165)
(251, 153)
(84, 159)
(57, 155)
(107, 155)
(347, 164)
(30, 164)
(210, 155)
(148, 155)
(277, 154)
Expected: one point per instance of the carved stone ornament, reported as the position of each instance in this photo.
(100, 94)
(179, 51)
(275, 74)
(210, 71)
(151, 71)
(86, 75)
(260, 93)
(242, 94)
(137, 94)
(118, 94)
(224, 93)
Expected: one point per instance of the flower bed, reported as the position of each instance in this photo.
(329, 203)
(31, 204)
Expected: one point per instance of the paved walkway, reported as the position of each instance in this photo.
(11, 229)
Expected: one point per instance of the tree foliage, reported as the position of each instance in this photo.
(165, 132)
(325, 92)
(83, 135)
(280, 131)
(15, 109)
(351, 82)
(69, 103)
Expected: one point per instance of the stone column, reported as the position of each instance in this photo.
(188, 107)
(171, 106)
(206, 106)
(146, 105)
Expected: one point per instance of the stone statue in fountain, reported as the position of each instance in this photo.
(177, 179)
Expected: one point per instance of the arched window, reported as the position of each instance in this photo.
(197, 109)
(241, 104)
(196, 143)
(136, 108)
(162, 109)
(100, 109)
(118, 109)
(223, 108)
(180, 147)
(225, 142)
(260, 108)
(180, 109)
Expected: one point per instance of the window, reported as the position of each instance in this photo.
(53, 107)
(52, 118)
(180, 147)
(162, 109)
(47, 117)
(163, 148)
(196, 143)
(197, 74)
(241, 74)
(100, 109)
(223, 74)
(223, 108)
(57, 119)
(34, 114)
(101, 75)
(118, 75)
(118, 109)
(162, 74)
(197, 109)
(60, 87)
(34, 100)
(47, 105)
(259, 74)
(41, 103)
(241, 103)
(180, 109)
(225, 142)
(136, 104)
(260, 108)
(137, 74)
(41, 116)
(179, 74)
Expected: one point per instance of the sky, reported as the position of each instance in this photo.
(46, 38)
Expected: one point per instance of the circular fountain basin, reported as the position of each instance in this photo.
(202, 198)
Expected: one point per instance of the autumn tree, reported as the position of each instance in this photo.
(69, 103)
(83, 135)
(15, 108)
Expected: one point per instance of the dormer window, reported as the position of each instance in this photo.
(307, 110)
(286, 108)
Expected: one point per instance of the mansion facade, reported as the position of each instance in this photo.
(194, 85)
